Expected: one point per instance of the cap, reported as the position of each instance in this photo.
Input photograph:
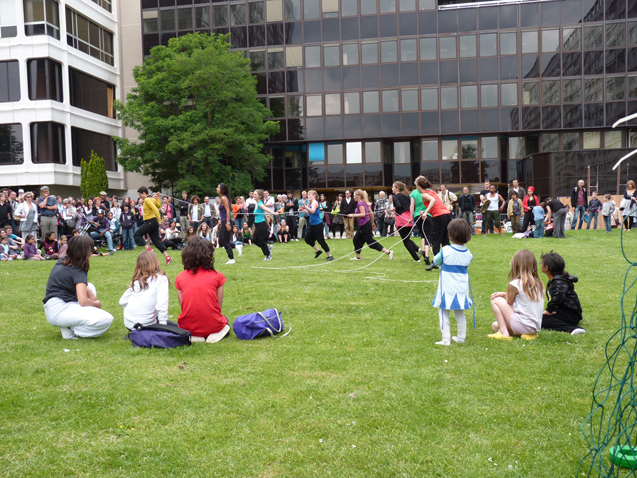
(532, 189)
(100, 211)
(44, 188)
(103, 193)
(213, 338)
(20, 191)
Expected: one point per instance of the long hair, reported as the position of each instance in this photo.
(189, 234)
(402, 189)
(259, 194)
(363, 195)
(524, 267)
(225, 191)
(146, 267)
(422, 182)
(80, 249)
(198, 253)
(203, 230)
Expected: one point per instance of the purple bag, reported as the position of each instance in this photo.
(158, 336)
(258, 324)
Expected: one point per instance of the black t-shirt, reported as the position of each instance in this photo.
(555, 205)
(62, 280)
(183, 208)
(484, 192)
(401, 203)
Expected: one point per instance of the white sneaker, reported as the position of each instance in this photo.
(231, 261)
(458, 340)
(67, 333)
(444, 342)
(391, 255)
(197, 339)
(239, 250)
(270, 249)
(354, 258)
(268, 258)
(578, 331)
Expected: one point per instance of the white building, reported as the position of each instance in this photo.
(60, 70)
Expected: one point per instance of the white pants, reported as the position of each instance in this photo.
(461, 321)
(73, 319)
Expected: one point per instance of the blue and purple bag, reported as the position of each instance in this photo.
(259, 324)
(159, 336)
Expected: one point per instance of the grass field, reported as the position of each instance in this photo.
(358, 387)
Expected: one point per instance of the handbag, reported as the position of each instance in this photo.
(159, 336)
(587, 218)
(485, 206)
(259, 324)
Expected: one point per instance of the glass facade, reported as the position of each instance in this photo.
(457, 92)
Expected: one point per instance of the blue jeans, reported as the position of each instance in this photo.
(127, 239)
(468, 216)
(581, 210)
(592, 215)
(607, 223)
(239, 223)
(539, 229)
(381, 227)
(107, 235)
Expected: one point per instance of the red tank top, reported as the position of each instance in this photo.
(438, 209)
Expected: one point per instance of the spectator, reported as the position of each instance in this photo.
(12, 237)
(114, 223)
(105, 203)
(516, 188)
(239, 210)
(205, 231)
(558, 211)
(607, 212)
(31, 251)
(303, 215)
(283, 232)
(246, 234)
(538, 217)
(128, 221)
(496, 206)
(272, 228)
(103, 226)
(63, 246)
(169, 208)
(483, 196)
(190, 233)
(28, 214)
(6, 211)
(337, 220)
(69, 216)
(348, 207)
(237, 240)
(379, 214)
(89, 210)
(280, 208)
(6, 253)
(208, 211)
(529, 202)
(251, 204)
(579, 203)
(390, 216)
(291, 214)
(467, 204)
(593, 210)
(217, 206)
(269, 202)
(50, 246)
(630, 204)
(195, 213)
(324, 214)
(514, 211)
(183, 211)
(448, 198)
(172, 238)
(116, 209)
(47, 208)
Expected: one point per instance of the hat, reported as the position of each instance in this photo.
(531, 189)
(44, 188)
(213, 338)
(100, 211)
(103, 193)
(20, 191)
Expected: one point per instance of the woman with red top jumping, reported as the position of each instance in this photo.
(440, 214)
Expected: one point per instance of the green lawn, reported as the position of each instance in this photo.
(356, 389)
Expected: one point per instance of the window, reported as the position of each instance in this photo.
(410, 100)
(47, 143)
(388, 51)
(312, 56)
(615, 88)
(350, 54)
(570, 141)
(8, 26)
(508, 44)
(105, 4)
(354, 153)
(572, 91)
(447, 47)
(83, 142)
(11, 144)
(529, 42)
(257, 60)
(490, 147)
(89, 37)
(91, 94)
(509, 94)
(274, 10)
(449, 98)
(615, 35)
(295, 105)
(429, 98)
(330, 8)
(469, 96)
(592, 140)
(349, 8)
(550, 92)
(387, 6)
(331, 55)
(390, 101)
(333, 104)
(426, 4)
(368, 7)
(550, 142)
(632, 33)
(370, 102)
(372, 152)
(293, 57)
(550, 40)
(408, 50)
(167, 21)
(571, 39)
(45, 79)
(255, 12)
(185, 18)
(428, 49)
(593, 89)
(41, 17)
(469, 148)
(530, 93)
(516, 147)
(488, 44)
(314, 105)
(310, 9)
(407, 5)
(489, 96)
(402, 153)
(9, 81)
(275, 59)
(335, 153)
(351, 103)
(430, 150)
(467, 46)
(202, 17)
(450, 148)
(369, 52)
(237, 15)
(632, 87)
(613, 139)
(593, 37)
(292, 9)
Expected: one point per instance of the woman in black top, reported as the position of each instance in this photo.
(70, 302)
(404, 224)
(5, 211)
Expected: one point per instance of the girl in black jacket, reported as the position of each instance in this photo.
(563, 311)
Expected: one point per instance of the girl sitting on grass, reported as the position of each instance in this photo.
(190, 233)
(518, 311)
(200, 293)
(145, 301)
(50, 246)
(31, 251)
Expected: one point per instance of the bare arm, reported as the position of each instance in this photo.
(511, 293)
(179, 296)
(85, 297)
(501, 202)
(432, 200)
(219, 297)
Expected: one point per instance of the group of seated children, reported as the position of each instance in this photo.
(71, 301)
(13, 248)
(520, 310)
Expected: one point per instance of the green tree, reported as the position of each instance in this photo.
(199, 121)
(93, 176)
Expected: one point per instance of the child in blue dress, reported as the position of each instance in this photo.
(453, 284)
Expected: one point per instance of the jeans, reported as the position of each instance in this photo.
(127, 239)
(593, 216)
(208, 220)
(581, 210)
(381, 227)
(607, 223)
(468, 216)
(539, 229)
(238, 222)
(107, 235)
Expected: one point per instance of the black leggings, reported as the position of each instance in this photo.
(365, 235)
(225, 240)
(173, 242)
(260, 237)
(528, 219)
(560, 322)
(629, 222)
(412, 248)
(426, 227)
(150, 227)
(440, 235)
(315, 234)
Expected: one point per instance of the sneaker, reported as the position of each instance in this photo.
(197, 339)
(578, 331)
(354, 258)
(270, 249)
(427, 261)
(417, 260)
(421, 253)
(149, 249)
(432, 267)
(318, 253)
(168, 260)
(231, 261)
(269, 258)
(529, 336)
(443, 342)
(110, 253)
(391, 255)
(330, 258)
(458, 340)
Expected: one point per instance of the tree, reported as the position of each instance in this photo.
(93, 176)
(199, 121)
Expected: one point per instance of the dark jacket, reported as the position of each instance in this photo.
(467, 203)
(562, 297)
(183, 208)
(127, 220)
(574, 193)
(348, 208)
